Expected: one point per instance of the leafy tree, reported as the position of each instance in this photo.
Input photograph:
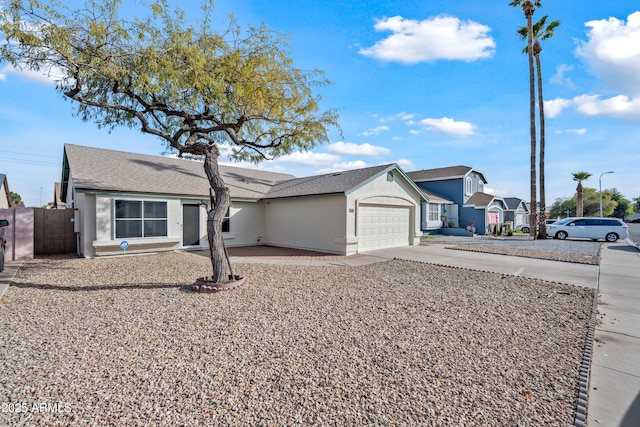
(624, 206)
(187, 84)
(561, 206)
(579, 177)
(15, 198)
(529, 8)
(591, 204)
(636, 204)
(541, 32)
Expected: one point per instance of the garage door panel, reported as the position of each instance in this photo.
(383, 226)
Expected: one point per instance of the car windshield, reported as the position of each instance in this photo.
(562, 221)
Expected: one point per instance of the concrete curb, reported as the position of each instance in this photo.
(10, 270)
(582, 403)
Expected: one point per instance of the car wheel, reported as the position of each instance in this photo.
(525, 229)
(612, 237)
(561, 235)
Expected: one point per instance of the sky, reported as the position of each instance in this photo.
(424, 84)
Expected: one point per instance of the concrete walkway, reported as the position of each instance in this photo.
(614, 392)
(10, 270)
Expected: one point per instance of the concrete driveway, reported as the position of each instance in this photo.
(555, 271)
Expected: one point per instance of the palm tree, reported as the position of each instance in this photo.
(541, 32)
(529, 8)
(580, 176)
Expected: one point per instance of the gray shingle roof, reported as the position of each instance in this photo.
(434, 198)
(99, 169)
(442, 173)
(481, 199)
(338, 182)
(447, 172)
(513, 203)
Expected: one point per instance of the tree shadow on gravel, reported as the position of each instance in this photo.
(91, 288)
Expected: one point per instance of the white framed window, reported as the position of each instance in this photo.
(467, 186)
(226, 224)
(140, 218)
(434, 212)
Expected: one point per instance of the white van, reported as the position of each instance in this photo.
(609, 229)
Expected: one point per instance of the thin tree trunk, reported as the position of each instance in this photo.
(542, 234)
(215, 216)
(579, 208)
(529, 11)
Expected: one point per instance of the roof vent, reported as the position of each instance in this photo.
(337, 174)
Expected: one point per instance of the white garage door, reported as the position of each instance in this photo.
(383, 226)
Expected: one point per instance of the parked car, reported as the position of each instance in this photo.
(635, 221)
(609, 229)
(525, 227)
(3, 242)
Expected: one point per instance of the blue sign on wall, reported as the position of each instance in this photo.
(124, 245)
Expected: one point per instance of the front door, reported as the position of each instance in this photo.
(190, 225)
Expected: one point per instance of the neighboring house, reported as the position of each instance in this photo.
(517, 211)
(159, 203)
(434, 212)
(5, 194)
(463, 186)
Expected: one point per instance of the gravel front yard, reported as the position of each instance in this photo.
(122, 341)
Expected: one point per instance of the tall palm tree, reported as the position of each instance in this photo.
(529, 8)
(541, 32)
(580, 176)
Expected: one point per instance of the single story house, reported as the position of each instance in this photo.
(463, 187)
(158, 203)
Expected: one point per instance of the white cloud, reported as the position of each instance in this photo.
(494, 192)
(344, 166)
(612, 52)
(559, 76)
(374, 131)
(308, 158)
(618, 106)
(3, 76)
(399, 116)
(441, 37)
(449, 126)
(406, 165)
(414, 131)
(553, 107)
(573, 131)
(48, 77)
(351, 149)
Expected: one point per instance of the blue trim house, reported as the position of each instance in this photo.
(463, 186)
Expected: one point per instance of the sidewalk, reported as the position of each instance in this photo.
(614, 388)
(10, 270)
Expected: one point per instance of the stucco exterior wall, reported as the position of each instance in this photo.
(246, 224)
(313, 223)
(95, 223)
